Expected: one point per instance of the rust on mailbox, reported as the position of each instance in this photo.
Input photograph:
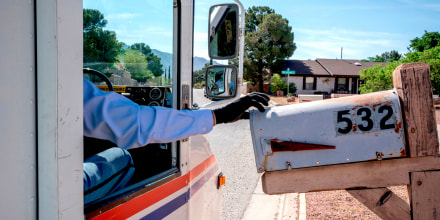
(364, 128)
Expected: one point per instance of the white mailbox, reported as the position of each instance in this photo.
(334, 131)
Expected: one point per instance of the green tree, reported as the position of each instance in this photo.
(255, 15)
(432, 58)
(101, 47)
(380, 78)
(199, 77)
(429, 40)
(292, 89)
(393, 55)
(93, 20)
(154, 64)
(142, 47)
(269, 45)
(249, 74)
(136, 63)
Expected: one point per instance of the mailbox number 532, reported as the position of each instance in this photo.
(365, 119)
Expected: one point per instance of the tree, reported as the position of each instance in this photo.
(269, 44)
(429, 40)
(199, 77)
(380, 77)
(93, 20)
(393, 55)
(136, 63)
(292, 89)
(100, 46)
(154, 64)
(142, 47)
(255, 15)
(249, 74)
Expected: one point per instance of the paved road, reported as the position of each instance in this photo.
(232, 146)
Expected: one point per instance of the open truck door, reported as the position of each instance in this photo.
(46, 49)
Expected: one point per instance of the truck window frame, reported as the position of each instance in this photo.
(152, 182)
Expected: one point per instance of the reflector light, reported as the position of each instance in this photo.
(221, 180)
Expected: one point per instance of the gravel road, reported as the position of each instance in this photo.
(232, 146)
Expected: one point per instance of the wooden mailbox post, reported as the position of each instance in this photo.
(367, 181)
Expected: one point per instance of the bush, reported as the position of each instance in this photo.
(199, 85)
(277, 83)
(292, 89)
(379, 78)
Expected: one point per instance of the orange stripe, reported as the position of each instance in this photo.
(196, 171)
(144, 201)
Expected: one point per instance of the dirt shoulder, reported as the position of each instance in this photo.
(339, 204)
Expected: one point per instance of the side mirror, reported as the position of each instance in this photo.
(223, 31)
(221, 82)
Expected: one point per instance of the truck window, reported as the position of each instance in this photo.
(131, 43)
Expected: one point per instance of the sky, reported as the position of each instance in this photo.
(362, 28)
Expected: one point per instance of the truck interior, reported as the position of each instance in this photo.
(135, 71)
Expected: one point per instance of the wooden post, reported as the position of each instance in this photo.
(425, 195)
(413, 84)
(383, 202)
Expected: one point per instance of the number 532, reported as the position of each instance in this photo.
(365, 119)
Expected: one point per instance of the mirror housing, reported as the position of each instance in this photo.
(221, 82)
(223, 31)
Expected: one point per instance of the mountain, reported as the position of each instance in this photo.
(167, 59)
(199, 63)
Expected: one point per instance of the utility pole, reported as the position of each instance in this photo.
(341, 52)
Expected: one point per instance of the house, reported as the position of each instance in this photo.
(326, 75)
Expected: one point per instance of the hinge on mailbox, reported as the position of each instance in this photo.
(379, 155)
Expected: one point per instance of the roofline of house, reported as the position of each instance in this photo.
(328, 71)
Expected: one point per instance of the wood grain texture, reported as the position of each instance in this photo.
(425, 199)
(371, 174)
(413, 84)
(383, 202)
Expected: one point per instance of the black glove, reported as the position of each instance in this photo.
(238, 109)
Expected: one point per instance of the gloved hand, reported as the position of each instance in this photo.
(238, 109)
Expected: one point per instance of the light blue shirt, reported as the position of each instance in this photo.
(111, 116)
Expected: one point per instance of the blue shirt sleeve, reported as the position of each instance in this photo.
(111, 116)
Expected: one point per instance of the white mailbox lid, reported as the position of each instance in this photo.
(333, 131)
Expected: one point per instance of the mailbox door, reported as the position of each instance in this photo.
(334, 131)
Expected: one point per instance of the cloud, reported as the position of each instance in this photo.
(327, 43)
(201, 45)
(201, 37)
(121, 16)
(433, 7)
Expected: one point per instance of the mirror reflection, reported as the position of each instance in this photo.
(223, 33)
(221, 81)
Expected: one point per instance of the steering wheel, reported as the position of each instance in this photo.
(100, 75)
